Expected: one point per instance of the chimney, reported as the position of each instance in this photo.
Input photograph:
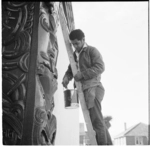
(125, 126)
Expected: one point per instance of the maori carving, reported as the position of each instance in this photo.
(48, 83)
(17, 22)
(22, 64)
(13, 108)
(44, 130)
(17, 40)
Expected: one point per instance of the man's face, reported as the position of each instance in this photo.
(78, 44)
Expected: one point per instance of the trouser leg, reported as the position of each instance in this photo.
(109, 141)
(98, 123)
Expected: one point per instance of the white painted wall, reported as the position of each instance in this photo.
(120, 141)
(67, 119)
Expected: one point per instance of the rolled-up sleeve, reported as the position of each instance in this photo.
(97, 65)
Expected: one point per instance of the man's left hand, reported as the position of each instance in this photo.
(78, 76)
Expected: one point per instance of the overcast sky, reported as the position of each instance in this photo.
(119, 30)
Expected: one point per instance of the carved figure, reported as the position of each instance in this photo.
(44, 131)
(18, 47)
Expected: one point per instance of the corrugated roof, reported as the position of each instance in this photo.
(139, 129)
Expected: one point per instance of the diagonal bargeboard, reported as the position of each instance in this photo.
(65, 30)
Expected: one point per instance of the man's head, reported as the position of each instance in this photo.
(77, 39)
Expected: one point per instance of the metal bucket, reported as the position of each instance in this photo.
(71, 99)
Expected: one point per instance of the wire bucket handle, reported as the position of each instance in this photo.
(71, 98)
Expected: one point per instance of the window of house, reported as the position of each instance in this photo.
(138, 140)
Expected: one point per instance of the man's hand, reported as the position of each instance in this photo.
(78, 76)
(65, 82)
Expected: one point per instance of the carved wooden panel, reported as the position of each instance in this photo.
(17, 22)
(29, 74)
(44, 129)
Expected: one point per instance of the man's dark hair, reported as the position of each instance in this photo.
(76, 34)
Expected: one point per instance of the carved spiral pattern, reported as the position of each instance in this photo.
(17, 28)
(13, 107)
(17, 23)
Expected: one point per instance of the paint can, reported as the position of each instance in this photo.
(71, 99)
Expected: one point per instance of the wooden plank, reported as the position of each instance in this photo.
(63, 22)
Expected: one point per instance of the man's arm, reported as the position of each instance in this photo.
(67, 77)
(69, 73)
(97, 65)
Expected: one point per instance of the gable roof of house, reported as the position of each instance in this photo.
(139, 129)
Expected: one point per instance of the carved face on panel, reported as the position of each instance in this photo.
(46, 80)
(48, 48)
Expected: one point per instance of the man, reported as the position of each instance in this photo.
(90, 67)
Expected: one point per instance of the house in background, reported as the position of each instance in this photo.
(135, 135)
(84, 140)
